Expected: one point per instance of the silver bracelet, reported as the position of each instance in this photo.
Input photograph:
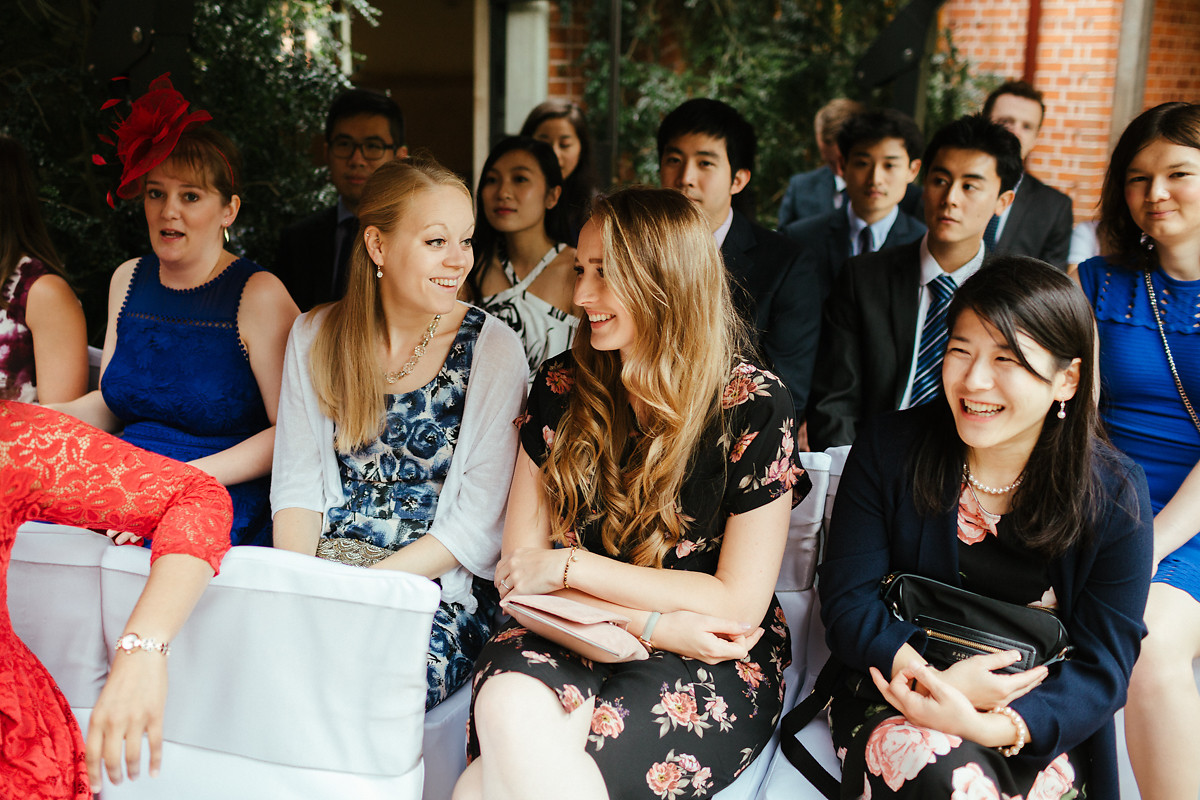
(130, 642)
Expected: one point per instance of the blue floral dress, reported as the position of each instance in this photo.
(672, 726)
(391, 488)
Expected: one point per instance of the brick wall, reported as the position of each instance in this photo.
(1076, 58)
(1174, 69)
(566, 50)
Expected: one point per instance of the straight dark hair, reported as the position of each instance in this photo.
(487, 241)
(976, 132)
(579, 188)
(22, 230)
(871, 127)
(1120, 237)
(1060, 498)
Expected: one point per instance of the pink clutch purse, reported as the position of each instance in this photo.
(592, 633)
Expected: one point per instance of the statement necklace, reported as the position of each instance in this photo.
(418, 351)
(991, 489)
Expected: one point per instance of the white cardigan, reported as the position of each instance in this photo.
(470, 511)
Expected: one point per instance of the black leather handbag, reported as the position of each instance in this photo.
(959, 624)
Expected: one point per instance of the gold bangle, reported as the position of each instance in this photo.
(1019, 724)
(567, 566)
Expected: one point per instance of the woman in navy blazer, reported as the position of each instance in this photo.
(1005, 487)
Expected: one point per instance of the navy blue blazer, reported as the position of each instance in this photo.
(825, 241)
(1039, 224)
(1101, 587)
(810, 194)
(779, 299)
(304, 260)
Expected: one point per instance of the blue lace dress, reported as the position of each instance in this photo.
(392, 486)
(180, 379)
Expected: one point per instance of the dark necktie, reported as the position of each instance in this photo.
(989, 233)
(348, 231)
(865, 243)
(927, 381)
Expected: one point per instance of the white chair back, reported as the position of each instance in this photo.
(294, 678)
(804, 532)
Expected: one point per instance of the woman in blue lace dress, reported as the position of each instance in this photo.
(396, 442)
(1146, 294)
(194, 347)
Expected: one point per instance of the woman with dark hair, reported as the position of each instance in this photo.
(562, 126)
(1004, 487)
(522, 268)
(1145, 290)
(193, 352)
(43, 336)
(57, 469)
(655, 479)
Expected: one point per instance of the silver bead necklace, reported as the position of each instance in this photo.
(418, 351)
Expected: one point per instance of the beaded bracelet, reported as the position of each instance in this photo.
(1019, 724)
(567, 566)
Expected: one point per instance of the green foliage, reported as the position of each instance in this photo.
(777, 62)
(269, 100)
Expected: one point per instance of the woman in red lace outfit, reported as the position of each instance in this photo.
(57, 469)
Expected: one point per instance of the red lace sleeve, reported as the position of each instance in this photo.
(58, 469)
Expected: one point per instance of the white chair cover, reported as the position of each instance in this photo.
(294, 678)
(446, 744)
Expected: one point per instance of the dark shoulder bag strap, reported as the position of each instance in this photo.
(795, 721)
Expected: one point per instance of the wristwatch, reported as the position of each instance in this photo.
(131, 642)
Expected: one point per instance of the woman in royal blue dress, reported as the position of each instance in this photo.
(1146, 294)
(194, 348)
(396, 438)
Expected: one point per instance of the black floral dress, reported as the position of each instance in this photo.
(671, 726)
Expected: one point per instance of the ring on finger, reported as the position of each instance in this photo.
(504, 583)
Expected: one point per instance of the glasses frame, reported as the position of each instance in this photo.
(346, 141)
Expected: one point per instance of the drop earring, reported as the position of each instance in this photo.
(379, 270)
(1062, 409)
(225, 228)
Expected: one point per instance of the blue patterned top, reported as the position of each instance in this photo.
(392, 485)
(181, 382)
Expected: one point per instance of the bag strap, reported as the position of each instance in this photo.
(798, 718)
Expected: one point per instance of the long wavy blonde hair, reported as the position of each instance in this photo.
(661, 262)
(344, 363)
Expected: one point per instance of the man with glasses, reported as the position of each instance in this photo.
(363, 129)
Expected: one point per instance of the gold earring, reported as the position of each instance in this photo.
(225, 228)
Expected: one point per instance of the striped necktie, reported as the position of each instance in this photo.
(927, 382)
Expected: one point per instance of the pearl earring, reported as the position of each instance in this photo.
(379, 270)
(1062, 409)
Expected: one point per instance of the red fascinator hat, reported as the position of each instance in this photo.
(149, 134)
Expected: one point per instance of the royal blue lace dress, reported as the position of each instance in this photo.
(392, 486)
(181, 382)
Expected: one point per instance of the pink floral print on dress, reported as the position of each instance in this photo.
(973, 525)
(897, 750)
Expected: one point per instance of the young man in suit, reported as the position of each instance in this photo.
(363, 130)
(884, 329)
(819, 191)
(1038, 223)
(882, 156)
(706, 150)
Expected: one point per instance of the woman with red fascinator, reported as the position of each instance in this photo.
(193, 353)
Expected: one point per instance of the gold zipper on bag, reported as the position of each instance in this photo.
(946, 637)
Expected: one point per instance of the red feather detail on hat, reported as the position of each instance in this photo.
(149, 134)
(98, 160)
(110, 103)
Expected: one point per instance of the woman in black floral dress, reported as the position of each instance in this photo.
(656, 477)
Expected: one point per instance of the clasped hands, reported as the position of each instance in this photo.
(951, 700)
(538, 570)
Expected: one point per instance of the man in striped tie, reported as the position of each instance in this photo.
(884, 327)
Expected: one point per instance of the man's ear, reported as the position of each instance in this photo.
(1004, 201)
(914, 169)
(402, 151)
(740, 179)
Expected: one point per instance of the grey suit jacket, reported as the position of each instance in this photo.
(868, 333)
(808, 194)
(825, 242)
(1039, 224)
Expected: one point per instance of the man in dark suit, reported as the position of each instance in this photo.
(1038, 223)
(706, 150)
(819, 191)
(363, 129)
(882, 157)
(881, 340)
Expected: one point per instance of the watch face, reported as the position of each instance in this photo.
(128, 642)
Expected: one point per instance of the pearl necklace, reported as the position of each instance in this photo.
(418, 351)
(991, 489)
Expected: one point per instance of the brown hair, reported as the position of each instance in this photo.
(661, 262)
(22, 230)
(344, 364)
(212, 158)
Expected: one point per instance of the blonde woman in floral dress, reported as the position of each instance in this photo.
(1004, 487)
(656, 477)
